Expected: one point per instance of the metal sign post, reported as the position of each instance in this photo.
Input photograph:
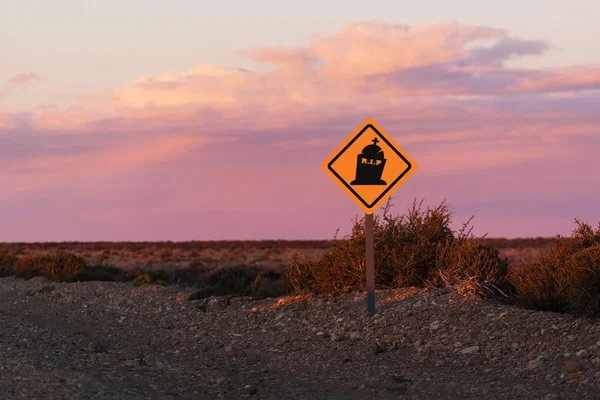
(370, 263)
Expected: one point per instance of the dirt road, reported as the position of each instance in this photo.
(100, 340)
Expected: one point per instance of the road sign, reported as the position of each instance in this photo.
(369, 166)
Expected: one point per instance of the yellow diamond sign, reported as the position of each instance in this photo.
(369, 165)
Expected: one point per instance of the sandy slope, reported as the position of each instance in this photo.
(118, 341)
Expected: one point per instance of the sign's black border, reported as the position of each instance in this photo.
(350, 187)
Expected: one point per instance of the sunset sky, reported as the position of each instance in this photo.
(198, 120)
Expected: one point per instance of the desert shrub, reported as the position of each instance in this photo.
(241, 281)
(187, 276)
(140, 276)
(198, 265)
(97, 273)
(415, 249)
(564, 279)
(166, 253)
(7, 263)
(58, 265)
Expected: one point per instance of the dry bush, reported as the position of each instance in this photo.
(58, 265)
(416, 249)
(241, 281)
(564, 279)
(7, 263)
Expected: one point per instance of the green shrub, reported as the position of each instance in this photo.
(55, 266)
(564, 279)
(416, 249)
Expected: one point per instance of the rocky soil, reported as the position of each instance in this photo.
(99, 340)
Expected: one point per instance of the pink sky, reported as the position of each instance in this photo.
(216, 152)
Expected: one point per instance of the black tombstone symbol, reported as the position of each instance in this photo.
(369, 166)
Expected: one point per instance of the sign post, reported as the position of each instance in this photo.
(370, 263)
(369, 165)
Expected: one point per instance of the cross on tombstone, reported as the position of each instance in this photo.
(375, 141)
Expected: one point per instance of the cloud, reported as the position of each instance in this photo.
(18, 81)
(6, 120)
(24, 78)
(222, 138)
(366, 66)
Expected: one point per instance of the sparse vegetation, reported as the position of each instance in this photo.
(241, 281)
(564, 279)
(47, 289)
(7, 263)
(54, 266)
(417, 249)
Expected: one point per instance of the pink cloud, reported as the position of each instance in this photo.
(364, 65)
(6, 120)
(24, 78)
(220, 139)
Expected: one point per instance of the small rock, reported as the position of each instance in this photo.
(573, 375)
(280, 316)
(355, 335)
(250, 390)
(595, 360)
(435, 325)
(457, 345)
(337, 337)
(387, 339)
(545, 356)
(470, 350)
(550, 396)
(220, 379)
(534, 364)
(581, 353)
(572, 366)
(418, 304)
(379, 347)
(326, 335)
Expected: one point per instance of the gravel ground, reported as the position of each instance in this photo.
(99, 340)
